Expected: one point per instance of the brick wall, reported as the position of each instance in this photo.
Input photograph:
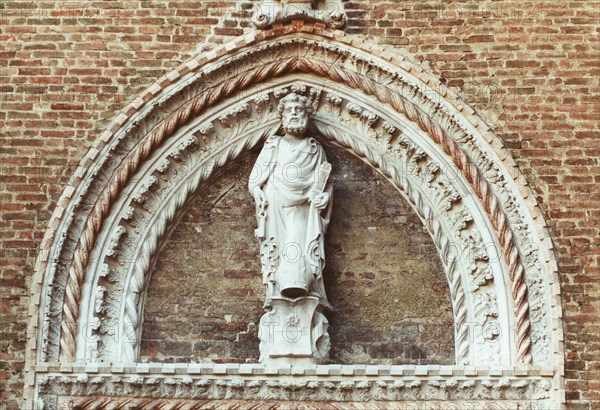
(530, 69)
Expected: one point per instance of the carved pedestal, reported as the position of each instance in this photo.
(294, 332)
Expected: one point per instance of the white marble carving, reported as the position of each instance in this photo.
(329, 12)
(290, 184)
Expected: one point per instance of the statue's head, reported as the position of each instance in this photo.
(295, 111)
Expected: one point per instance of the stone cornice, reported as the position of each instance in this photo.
(322, 383)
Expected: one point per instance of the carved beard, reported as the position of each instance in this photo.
(297, 128)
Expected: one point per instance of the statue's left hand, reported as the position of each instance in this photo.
(320, 201)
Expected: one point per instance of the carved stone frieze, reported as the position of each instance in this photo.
(175, 404)
(298, 388)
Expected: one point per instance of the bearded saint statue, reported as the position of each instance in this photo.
(293, 194)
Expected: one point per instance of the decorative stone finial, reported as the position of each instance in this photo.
(329, 12)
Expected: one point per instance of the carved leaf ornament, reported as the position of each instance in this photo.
(97, 256)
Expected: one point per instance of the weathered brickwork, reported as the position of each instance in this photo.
(529, 68)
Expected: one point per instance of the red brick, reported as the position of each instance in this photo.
(484, 38)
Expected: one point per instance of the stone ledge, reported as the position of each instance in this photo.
(288, 386)
(335, 370)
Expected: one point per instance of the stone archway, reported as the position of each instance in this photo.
(113, 218)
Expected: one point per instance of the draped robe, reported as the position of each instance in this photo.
(292, 251)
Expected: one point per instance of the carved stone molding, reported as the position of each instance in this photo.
(173, 404)
(96, 256)
(313, 383)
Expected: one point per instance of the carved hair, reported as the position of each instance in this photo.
(293, 97)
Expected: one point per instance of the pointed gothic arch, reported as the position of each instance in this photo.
(111, 221)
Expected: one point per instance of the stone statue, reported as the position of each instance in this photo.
(290, 184)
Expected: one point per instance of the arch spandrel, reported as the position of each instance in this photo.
(421, 133)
